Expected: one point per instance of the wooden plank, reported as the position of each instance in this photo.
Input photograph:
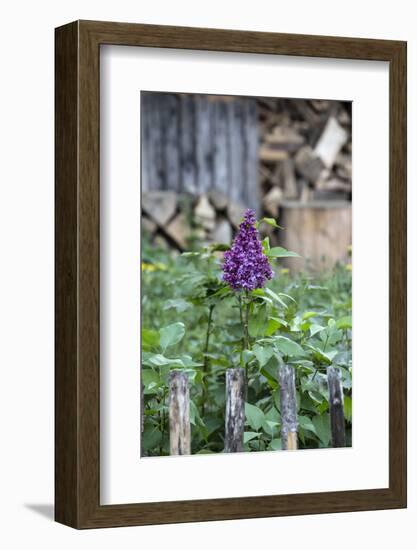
(204, 142)
(179, 414)
(250, 159)
(235, 134)
(337, 417)
(170, 133)
(221, 153)
(289, 424)
(187, 141)
(145, 142)
(235, 410)
(155, 143)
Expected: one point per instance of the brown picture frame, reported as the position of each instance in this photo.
(77, 373)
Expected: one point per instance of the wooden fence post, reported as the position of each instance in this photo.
(289, 424)
(179, 414)
(337, 417)
(235, 410)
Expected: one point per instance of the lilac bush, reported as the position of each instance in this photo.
(245, 265)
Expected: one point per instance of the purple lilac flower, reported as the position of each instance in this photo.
(245, 265)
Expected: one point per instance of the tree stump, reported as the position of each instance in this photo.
(337, 416)
(289, 424)
(235, 410)
(179, 414)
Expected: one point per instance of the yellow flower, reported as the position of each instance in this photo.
(348, 267)
(148, 267)
(153, 267)
(284, 271)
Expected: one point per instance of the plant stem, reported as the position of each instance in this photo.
(246, 323)
(206, 360)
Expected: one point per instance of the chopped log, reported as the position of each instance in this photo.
(222, 233)
(331, 141)
(343, 165)
(160, 206)
(235, 410)
(204, 213)
(289, 180)
(148, 225)
(179, 414)
(218, 199)
(235, 213)
(286, 138)
(179, 231)
(337, 417)
(289, 423)
(320, 105)
(308, 164)
(320, 232)
(267, 154)
(272, 201)
(307, 113)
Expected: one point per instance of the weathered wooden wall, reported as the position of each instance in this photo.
(195, 143)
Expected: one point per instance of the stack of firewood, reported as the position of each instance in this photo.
(174, 221)
(305, 151)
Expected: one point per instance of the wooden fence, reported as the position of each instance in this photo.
(193, 143)
(179, 410)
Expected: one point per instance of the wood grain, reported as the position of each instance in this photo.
(235, 410)
(77, 403)
(337, 417)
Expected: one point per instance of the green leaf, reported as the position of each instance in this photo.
(270, 371)
(275, 297)
(265, 245)
(306, 423)
(270, 221)
(319, 356)
(314, 329)
(151, 438)
(179, 305)
(195, 417)
(270, 427)
(254, 416)
(347, 406)
(248, 436)
(263, 354)
(150, 339)
(258, 322)
(279, 252)
(288, 347)
(344, 322)
(158, 360)
(275, 445)
(218, 247)
(274, 323)
(322, 427)
(149, 378)
(309, 314)
(171, 335)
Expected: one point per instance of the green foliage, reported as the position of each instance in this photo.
(192, 321)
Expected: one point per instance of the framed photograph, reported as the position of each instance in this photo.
(230, 274)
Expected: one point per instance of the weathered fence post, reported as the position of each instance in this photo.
(179, 414)
(337, 417)
(235, 410)
(289, 424)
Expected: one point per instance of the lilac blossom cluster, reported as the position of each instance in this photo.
(245, 265)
